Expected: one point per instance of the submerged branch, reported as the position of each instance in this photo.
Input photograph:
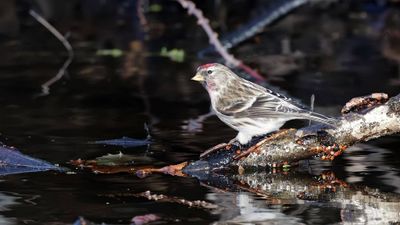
(61, 72)
(171, 199)
(369, 117)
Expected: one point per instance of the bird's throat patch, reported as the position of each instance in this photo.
(211, 86)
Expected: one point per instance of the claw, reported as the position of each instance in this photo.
(235, 144)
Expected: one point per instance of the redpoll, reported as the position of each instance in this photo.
(249, 108)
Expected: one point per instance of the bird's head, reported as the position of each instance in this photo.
(213, 76)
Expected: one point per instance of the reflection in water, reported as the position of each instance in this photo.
(368, 162)
(356, 204)
(298, 194)
(6, 201)
(192, 126)
(244, 208)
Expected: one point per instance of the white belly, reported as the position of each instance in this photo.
(247, 132)
(249, 128)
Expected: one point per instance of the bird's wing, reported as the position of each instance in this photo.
(269, 107)
(252, 101)
(258, 106)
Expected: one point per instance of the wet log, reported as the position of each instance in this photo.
(364, 118)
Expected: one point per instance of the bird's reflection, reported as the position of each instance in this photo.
(286, 196)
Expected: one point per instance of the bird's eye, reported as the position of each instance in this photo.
(209, 71)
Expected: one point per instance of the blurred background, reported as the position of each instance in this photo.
(132, 63)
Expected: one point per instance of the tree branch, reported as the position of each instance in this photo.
(202, 21)
(366, 118)
(61, 72)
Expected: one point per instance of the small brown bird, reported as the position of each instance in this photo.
(249, 108)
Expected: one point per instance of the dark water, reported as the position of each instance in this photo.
(102, 98)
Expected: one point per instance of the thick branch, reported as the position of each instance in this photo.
(285, 147)
(379, 121)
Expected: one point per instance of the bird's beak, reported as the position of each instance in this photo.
(198, 77)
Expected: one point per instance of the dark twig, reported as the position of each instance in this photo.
(62, 71)
(277, 10)
(312, 101)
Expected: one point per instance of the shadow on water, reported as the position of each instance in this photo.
(338, 53)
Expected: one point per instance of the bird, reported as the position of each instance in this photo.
(249, 108)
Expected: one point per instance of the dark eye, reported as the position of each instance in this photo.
(209, 71)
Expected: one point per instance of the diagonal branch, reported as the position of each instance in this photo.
(213, 37)
(61, 72)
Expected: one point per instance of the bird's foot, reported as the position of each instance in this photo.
(231, 145)
(235, 145)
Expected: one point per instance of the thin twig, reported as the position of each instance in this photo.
(62, 71)
(312, 101)
(230, 60)
(140, 13)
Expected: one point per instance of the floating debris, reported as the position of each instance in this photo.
(13, 161)
(144, 219)
(125, 142)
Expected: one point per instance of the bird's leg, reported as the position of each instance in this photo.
(227, 146)
(255, 147)
(234, 143)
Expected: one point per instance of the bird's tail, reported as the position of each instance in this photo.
(320, 118)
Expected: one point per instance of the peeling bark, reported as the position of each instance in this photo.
(366, 118)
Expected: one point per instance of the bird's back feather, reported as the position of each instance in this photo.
(243, 99)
